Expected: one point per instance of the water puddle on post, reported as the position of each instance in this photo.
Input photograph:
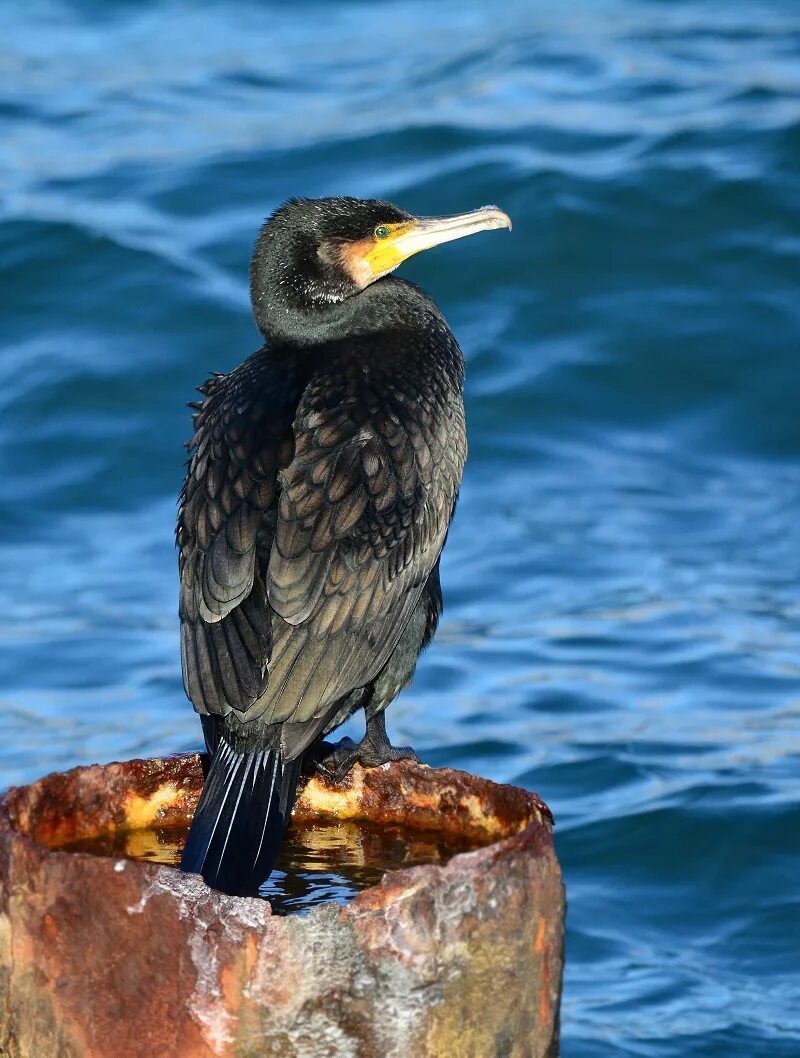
(318, 864)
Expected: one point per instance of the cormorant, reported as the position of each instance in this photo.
(322, 478)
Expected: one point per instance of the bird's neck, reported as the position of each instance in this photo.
(389, 303)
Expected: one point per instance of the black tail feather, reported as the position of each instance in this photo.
(241, 818)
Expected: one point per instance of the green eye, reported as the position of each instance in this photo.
(382, 232)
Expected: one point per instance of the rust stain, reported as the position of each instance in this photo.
(49, 927)
(540, 947)
(544, 997)
(138, 794)
(424, 798)
(541, 931)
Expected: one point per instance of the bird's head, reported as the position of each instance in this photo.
(313, 253)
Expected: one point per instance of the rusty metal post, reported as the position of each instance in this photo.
(105, 958)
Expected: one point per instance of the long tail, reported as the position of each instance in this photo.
(241, 818)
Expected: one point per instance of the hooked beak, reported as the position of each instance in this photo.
(410, 237)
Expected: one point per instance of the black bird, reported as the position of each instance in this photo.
(322, 478)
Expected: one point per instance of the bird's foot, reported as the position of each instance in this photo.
(373, 750)
(341, 757)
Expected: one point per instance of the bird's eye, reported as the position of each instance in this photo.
(381, 232)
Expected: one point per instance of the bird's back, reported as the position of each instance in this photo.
(317, 499)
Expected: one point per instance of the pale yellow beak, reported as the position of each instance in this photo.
(407, 238)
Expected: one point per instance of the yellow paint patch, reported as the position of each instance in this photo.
(343, 802)
(141, 812)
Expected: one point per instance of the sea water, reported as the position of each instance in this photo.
(621, 581)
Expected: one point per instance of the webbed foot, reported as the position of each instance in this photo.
(373, 750)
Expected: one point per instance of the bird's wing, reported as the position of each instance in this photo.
(363, 514)
(242, 436)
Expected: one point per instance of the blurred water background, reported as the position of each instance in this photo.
(621, 582)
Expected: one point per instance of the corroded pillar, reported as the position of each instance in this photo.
(113, 958)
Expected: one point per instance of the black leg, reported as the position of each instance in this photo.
(373, 750)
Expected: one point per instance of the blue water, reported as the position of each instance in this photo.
(622, 579)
